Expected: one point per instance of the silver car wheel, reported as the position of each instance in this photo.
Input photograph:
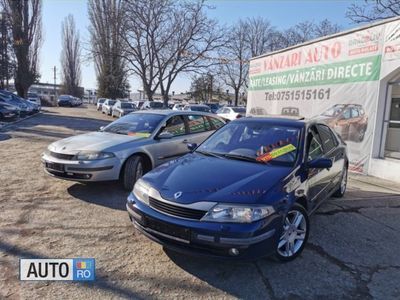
(139, 171)
(293, 235)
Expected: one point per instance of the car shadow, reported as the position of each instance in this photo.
(223, 274)
(107, 194)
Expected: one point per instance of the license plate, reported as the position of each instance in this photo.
(55, 166)
(172, 230)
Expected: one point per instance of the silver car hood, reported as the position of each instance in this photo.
(93, 141)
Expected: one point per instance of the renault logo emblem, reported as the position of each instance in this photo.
(177, 195)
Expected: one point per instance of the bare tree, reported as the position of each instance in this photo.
(200, 87)
(194, 40)
(325, 27)
(70, 58)
(166, 38)
(237, 50)
(24, 19)
(306, 31)
(259, 36)
(106, 26)
(368, 10)
(143, 36)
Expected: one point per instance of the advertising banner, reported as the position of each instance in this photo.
(335, 81)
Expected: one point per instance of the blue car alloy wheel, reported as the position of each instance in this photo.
(294, 235)
(246, 192)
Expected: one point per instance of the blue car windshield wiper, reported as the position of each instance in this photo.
(240, 157)
(209, 153)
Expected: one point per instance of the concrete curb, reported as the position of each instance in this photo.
(20, 120)
(375, 181)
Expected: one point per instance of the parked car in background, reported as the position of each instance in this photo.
(32, 107)
(34, 98)
(231, 113)
(138, 103)
(197, 107)
(258, 111)
(245, 193)
(290, 111)
(178, 106)
(152, 105)
(8, 111)
(77, 101)
(65, 100)
(213, 106)
(128, 147)
(348, 120)
(122, 108)
(10, 98)
(100, 102)
(106, 107)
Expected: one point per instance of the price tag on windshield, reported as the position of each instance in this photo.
(276, 153)
(139, 134)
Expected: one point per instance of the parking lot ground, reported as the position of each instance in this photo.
(353, 250)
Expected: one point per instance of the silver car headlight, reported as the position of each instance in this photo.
(93, 155)
(232, 213)
(141, 191)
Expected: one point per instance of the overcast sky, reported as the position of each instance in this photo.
(282, 14)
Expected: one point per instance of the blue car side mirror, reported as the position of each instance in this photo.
(191, 146)
(320, 163)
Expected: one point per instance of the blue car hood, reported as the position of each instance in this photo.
(205, 178)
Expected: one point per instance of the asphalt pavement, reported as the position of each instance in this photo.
(353, 250)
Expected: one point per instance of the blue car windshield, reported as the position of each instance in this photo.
(253, 141)
(135, 124)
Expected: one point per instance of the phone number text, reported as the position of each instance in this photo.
(311, 94)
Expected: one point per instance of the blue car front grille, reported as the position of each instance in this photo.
(178, 211)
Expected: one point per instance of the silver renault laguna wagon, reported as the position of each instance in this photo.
(128, 147)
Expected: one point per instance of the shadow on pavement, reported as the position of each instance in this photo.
(236, 278)
(99, 283)
(45, 133)
(69, 122)
(108, 194)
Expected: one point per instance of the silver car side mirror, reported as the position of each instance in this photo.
(165, 135)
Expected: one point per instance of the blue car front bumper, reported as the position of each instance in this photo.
(210, 239)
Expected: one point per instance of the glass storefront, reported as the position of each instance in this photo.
(392, 145)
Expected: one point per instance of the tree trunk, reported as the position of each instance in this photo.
(165, 99)
(149, 93)
(236, 97)
(20, 89)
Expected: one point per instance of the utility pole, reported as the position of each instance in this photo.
(55, 83)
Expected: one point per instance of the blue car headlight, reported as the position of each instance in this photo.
(232, 213)
(93, 155)
(141, 191)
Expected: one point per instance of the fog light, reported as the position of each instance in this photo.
(233, 252)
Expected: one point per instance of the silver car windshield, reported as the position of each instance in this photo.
(135, 124)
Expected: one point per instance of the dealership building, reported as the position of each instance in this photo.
(350, 81)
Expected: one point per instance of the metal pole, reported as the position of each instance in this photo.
(3, 50)
(55, 82)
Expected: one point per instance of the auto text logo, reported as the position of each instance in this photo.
(71, 269)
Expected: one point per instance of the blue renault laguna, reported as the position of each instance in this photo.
(244, 193)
